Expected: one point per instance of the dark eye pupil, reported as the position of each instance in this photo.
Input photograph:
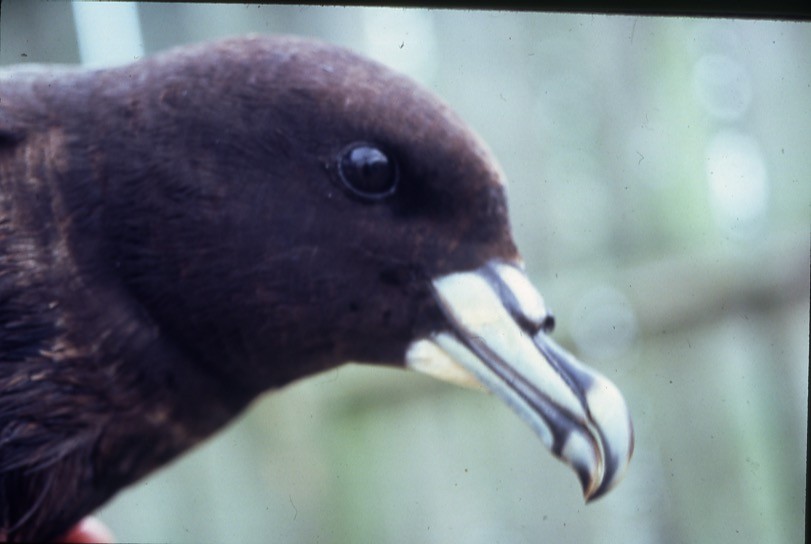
(368, 171)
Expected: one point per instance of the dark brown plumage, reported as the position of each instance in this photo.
(181, 234)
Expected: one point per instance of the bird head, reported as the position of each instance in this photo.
(288, 206)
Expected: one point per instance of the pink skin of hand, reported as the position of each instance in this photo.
(89, 530)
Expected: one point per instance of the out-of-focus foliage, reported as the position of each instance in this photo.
(660, 190)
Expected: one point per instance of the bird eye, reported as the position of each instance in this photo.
(368, 171)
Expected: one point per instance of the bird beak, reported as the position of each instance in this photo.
(497, 338)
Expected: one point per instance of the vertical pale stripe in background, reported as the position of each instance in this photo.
(108, 33)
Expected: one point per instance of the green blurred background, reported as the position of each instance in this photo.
(660, 191)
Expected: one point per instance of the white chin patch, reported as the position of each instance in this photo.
(426, 357)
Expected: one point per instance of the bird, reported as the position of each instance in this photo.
(184, 233)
